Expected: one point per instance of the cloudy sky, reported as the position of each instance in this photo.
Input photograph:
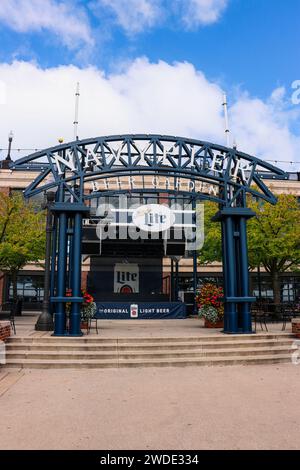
(152, 66)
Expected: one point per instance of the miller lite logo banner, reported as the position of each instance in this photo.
(143, 310)
(126, 278)
(153, 217)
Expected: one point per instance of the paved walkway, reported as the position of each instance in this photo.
(139, 328)
(233, 407)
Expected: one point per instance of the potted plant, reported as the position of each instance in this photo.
(88, 309)
(210, 305)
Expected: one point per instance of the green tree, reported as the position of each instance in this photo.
(22, 235)
(273, 237)
(212, 248)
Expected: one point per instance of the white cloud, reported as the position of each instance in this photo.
(277, 95)
(133, 16)
(69, 20)
(64, 19)
(265, 128)
(147, 97)
(201, 12)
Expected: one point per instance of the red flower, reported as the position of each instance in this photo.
(210, 295)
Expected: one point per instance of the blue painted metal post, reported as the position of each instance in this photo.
(195, 267)
(53, 262)
(237, 316)
(225, 277)
(60, 315)
(244, 276)
(76, 275)
(70, 251)
(230, 310)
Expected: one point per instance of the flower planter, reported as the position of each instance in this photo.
(296, 327)
(87, 310)
(218, 324)
(84, 325)
(210, 306)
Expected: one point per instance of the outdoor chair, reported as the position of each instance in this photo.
(289, 311)
(296, 309)
(259, 315)
(282, 312)
(274, 311)
(90, 324)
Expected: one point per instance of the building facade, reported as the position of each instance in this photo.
(167, 275)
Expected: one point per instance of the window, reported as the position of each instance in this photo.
(289, 288)
(186, 283)
(29, 288)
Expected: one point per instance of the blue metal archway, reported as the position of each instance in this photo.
(170, 162)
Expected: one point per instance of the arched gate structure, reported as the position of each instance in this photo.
(151, 163)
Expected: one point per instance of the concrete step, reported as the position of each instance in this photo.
(174, 362)
(97, 352)
(61, 346)
(71, 355)
(112, 340)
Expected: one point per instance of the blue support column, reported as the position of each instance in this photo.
(195, 268)
(225, 278)
(60, 315)
(237, 316)
(53, 262)
(70, 251)
(230, 310)
(76, 275)
(244, 280)
(65, 211)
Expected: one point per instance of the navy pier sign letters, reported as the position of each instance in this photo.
(105, 158)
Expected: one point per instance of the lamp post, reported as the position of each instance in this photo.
(172, 279)
(176, 259)
(45, 320)
(259, 282)
(10, 139)
(177, 279)
(6, 163)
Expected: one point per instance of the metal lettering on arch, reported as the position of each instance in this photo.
(104, 158)
(88, 168)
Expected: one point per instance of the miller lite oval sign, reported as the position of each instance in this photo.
(153, 217)
(126, 279)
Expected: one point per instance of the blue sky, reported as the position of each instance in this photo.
(254, 44)
(250, 48)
